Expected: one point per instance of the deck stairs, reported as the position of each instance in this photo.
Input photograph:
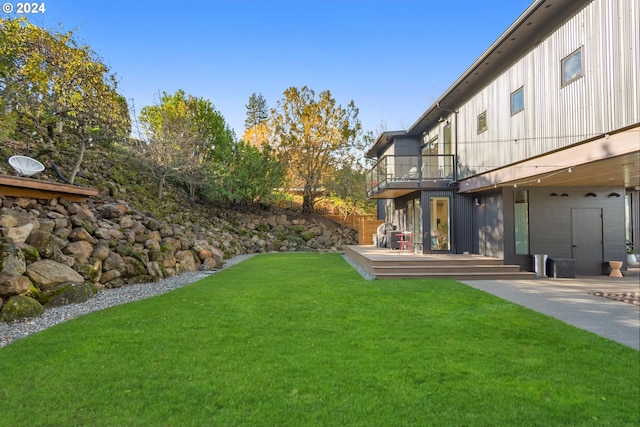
(391, 264)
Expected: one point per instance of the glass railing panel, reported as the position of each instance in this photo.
(437, 167)
(390, 169)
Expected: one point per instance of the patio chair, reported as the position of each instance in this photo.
(25, 166)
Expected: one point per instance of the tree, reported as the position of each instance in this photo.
(52, 88)
(257, 111)
(256, 131)
(314, 136)
(182, 134)
(248, 177)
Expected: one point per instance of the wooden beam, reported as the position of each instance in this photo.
(33, 189)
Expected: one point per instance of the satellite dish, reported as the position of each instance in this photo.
(25, 166)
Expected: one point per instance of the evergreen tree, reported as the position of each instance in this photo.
(257, 111)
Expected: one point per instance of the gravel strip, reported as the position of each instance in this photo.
(105, 298)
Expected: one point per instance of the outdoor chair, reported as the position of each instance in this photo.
(25, 166)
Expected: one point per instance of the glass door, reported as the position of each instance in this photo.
(417, 221)
(414, 223)
(439, 230)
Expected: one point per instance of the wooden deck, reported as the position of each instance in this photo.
(33, 189)
(385, 263)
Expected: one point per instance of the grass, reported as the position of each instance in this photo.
(303, 340)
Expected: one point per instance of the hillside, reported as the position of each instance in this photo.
(122, 177)
(55, 252)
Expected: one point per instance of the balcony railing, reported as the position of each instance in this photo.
(396, 171)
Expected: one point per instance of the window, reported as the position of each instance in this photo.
(482, 122)
(430, 158)
(572, 67)
(517, 101)
(521, 212)
(446, 136)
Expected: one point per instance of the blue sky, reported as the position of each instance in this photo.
(393, 58)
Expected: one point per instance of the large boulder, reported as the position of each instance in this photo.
(188, 260)
(208, 264)
(58, 256)
(111, 211)
(47, 274)
(155, 269)
(113, 262)
(81, 211)
(134, 267)
(80, 234)
(17, 225)
(109, 275)
(12, 260)
(80, 250)
(91, 270)
(100, 252)
(20, 307)
(11, 284)
(44, 242)
(70, 293)
(126, 221)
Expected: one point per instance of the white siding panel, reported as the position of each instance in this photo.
(605, 98)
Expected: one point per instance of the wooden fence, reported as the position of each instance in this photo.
(365, 225)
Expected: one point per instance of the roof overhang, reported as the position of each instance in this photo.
(382, 142)
(607, 161)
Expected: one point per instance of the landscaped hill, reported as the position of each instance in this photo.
(57, 251)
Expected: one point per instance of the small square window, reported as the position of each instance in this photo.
(517, 101)
(572, 67)
(482, 122)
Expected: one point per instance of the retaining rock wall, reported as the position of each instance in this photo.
(55, 252)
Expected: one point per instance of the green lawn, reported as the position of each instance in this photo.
(303, 340)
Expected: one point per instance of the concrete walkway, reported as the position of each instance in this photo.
(569, 300)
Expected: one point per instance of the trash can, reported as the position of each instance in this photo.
(540, 265)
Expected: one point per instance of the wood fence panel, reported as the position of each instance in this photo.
(365, 225)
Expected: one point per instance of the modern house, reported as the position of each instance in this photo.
(535, 149)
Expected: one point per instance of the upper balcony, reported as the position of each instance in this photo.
(395, 176)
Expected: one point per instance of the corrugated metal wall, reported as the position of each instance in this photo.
(552, 233)
(606, 98)
(461, 219)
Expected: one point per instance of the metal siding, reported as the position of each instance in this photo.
(461, 219)
(463, 223)
(550, 220)
(491, 229)
(605, 98)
